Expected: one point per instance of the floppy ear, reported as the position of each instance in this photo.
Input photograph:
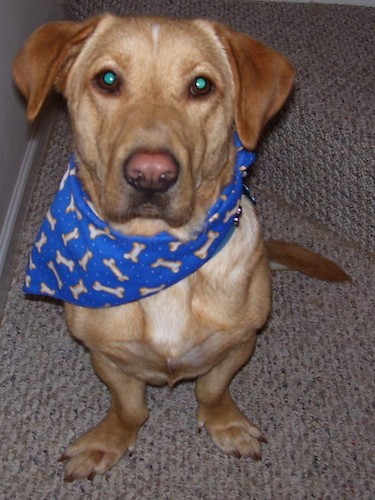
(263, 79)
(46, 57)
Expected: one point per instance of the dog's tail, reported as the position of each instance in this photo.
(290, 256)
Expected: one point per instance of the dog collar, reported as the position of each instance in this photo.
(79, 258)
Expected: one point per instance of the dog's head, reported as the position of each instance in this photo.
(153, 103)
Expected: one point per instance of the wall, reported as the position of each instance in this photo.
(18, 140)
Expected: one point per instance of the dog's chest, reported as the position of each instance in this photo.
(174, 335)
(172, 342)
(184, 330)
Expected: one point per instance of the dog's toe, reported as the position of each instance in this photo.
(240, 439)
(86, 464)
(96, 452)
(237, 437)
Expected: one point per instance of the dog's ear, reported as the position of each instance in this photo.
(263, 79)
(46, 57)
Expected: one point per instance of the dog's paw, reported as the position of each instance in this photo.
(238, 437)
(93, 454)
(86, 464)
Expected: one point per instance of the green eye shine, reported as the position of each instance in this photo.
(200, 86)
(109, 78)
(201, 83)
(108, 82)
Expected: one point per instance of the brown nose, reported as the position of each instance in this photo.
(151, 171)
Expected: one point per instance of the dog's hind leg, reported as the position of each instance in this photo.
(230, 430)
(96, 451)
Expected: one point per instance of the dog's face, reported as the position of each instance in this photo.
(153, 105)
(172, 88)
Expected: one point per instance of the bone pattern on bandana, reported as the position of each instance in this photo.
(79, 258)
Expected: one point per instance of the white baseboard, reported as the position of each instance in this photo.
(17, 208)
(18, 193)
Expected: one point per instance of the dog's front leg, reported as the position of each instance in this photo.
(230, 430)
(96, 451)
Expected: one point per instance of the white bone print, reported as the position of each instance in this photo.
(230, 214)
(118, 291)
(72, 235)
(135, 252)
(174, 245)
(32, 266)
(51, 220)
(174, 266)
(78, 289)
(51, 266)
(41, 242)
(111, 263)
(72, 208)
(85, 260)
(72, 171)
(95, 232)
(46, 289)
(203, 251)
(63, 180)
(214, 217)
(147, 291)
(60, 259)
(92, 207)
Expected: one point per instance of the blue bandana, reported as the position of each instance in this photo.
(79, 258)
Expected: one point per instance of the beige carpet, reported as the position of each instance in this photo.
(310, 384)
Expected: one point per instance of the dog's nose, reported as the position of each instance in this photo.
(151, 171)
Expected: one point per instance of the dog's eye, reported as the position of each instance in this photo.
(201, 86)
(108, 82)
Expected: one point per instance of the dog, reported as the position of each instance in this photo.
(161, 111)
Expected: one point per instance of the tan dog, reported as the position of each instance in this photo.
(153, 103)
